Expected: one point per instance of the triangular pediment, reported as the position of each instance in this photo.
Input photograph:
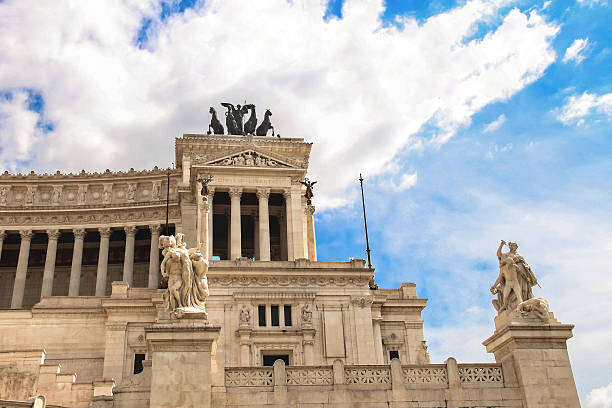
(249, 158)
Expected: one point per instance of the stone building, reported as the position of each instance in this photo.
(80, 306)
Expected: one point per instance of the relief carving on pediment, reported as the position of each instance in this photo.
(249, 158)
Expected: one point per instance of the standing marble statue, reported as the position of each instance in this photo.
(515, 280)
(186, 272)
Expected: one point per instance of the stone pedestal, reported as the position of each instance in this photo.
(534, 357)
(181, 351)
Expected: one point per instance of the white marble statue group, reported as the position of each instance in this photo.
(185, 270)
(514, 283)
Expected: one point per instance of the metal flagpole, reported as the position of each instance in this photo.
(365, 223)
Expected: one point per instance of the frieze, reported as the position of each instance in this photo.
(249, 158)
(84, 218)
(284, 281)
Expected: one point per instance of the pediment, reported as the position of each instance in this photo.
(249, 158)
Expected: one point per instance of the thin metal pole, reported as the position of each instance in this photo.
(365, 222)
(167, 199)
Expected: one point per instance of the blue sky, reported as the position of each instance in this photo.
(471, 121)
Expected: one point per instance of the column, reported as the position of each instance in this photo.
(154, 256)
(256, 237)
(287, 195)
(283, 236)
(105, 233)
(236, 241)
(2, 236)
(128, 261)
(77, 258)
(297, 222)
(211, 195)
(378, 341)
(49, 272)
(22, 269)
(228, 223)
(310, 233)
(264, 224)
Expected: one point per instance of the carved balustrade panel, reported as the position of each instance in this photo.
(480, 374)
(309, 375)
(249, 377)
(367, 374)
(425, 375)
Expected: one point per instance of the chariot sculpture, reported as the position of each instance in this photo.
(234, 121)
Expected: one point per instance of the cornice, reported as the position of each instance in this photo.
(87, 176)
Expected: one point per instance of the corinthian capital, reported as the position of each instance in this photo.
(130, 230)
(235, 192)
(26, 234)
(263, 193)
(53, 234)
(105, 232)
(79, 233)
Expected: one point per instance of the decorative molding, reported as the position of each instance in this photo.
(363, 301)
(86, 175)
(284, 281)
(84, 218)
(242, 296)
(309, 210)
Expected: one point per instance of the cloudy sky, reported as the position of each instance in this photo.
(471, 121)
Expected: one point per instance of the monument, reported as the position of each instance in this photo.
(200, 286)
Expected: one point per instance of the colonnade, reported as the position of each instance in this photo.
(77, 257)
(293, 238)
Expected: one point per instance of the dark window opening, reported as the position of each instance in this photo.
(138, 359)
(287, 315)
(261, 311)
(393, 354)
(268, 361)
(274, 315)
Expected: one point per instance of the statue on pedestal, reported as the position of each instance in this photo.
(308, 194)
(514, 283)
(186, 272)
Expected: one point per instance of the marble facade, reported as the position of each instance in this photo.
(83, 323)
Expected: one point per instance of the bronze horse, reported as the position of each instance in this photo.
(262, 129)
(215, 124)
(251, 124)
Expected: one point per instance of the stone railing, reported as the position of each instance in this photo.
(443, 376)
(480, 373)
(249, 376)
(434, 374)
(307, 375)
(367, 374)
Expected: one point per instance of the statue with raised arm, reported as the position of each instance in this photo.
(515, 280)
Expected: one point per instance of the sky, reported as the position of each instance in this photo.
(471, 122)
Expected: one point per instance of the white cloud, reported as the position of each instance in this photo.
(546, 5)
(574, 51)
(18, 130)
(360, 90)
(496, 124)
(577, 108)
(600, 397)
